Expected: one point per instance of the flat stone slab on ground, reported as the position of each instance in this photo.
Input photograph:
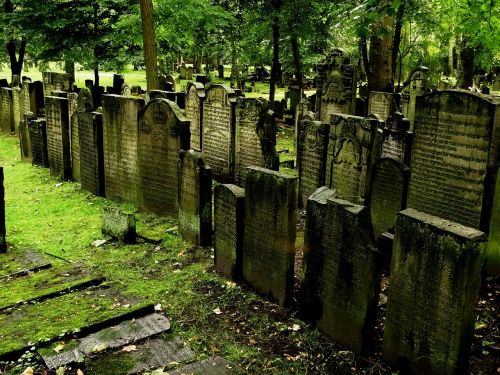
(14, 262)
(209, 366)
(124, 333)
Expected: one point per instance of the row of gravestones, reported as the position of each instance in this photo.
(439, 215)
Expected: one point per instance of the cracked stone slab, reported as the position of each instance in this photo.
(209, 366)
(63, 359)
(124, 333)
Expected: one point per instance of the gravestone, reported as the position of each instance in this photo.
(338, 91)
(388, 193)
(220, 71)
(218, 131)
(189, 73)
(350, 156)
(270, 231)
(16, 109)
(120, 134)
(75, 148)
(255, 137)
(311, 158)
(126, 90)
(118, 82)
(418, 86)
(90, 133)
(435, 280)
(195, 198)
(339, 291)
(496, 83)
(163, 132)
(3, 242)
(183, 71)
(38, 139)
(396, 139)
(24, 137)
(295, 96)
(381, 103)
(58, 142)
(6, 120)
(55, 81)
(229, 216)
(455, 155)
(170, 78)
(194, 112)
(118, 224)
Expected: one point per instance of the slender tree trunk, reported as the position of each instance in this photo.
(363, 50)
(398, 26)
(466, 66)
(276, 57)
(380, 56)
(149, 45)
(96, 73)
(451, 46)
(297, 61)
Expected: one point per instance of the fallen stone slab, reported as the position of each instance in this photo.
(118, 224)
(209, 366)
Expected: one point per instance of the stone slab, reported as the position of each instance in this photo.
(118, 224)
(209, 366)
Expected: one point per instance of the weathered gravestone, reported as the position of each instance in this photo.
(496, 83)
(24, 137)
(118, 224)
(350, 156)
(435, 280)
(338, 92)
(270, 231)
(339, 291)
(75, 147)
(218, 131)
(195, 198)
(38, 140)
(229, 216)
(183, 71)
(311, 158)
(6, 120)
(163, 132)
(418, 85)
(381, 103)
(194, 112)
(55, 81)
(90, 134)
(456, 151)
(3, 242)
(255, 137)
(126, 90)
(58, 143)
(120, 135)
(189, 73)
(16, 109)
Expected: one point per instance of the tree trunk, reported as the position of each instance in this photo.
(96, 74)
(466, 66)
(451, 46)
(363, 50)
(297, 62)
(16, 63)
(149, 40)
(276, 58)
(380, 56)
(397, 38)
(199, 62)
(69, 68)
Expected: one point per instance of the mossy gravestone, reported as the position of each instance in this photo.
(38, 139)
(434, 284)
(91, 152)
(3, 242)
(6, 110)
(229, 216)
(194, 112)
(195, 198)
(120, 133)
(255, 137)
(311, 160)
(58, 142)
(163, 132)
(270, 231)
(341, 273)
(118, 224)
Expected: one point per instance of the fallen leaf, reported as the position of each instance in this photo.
(158, 307)
(79, 372)
(28, 371)
(99, 348)
(58, 348)
(129, 348)
(59, 184)
(217, 311)
(295, 327)
(98, 243)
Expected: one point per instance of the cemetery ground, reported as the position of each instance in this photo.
(53, 222)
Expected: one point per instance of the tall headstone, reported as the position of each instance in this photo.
(270, 232)
(418, 85)
(339, 291)
(218, 131)
(90, 134)
(435, 280)
(455, 156)
(194, 112)
(16, 109)
(255, 137)
(311, 158)
(338, 93)
(58, 142)
(350, 156)
(163, 132)
(195, 198)
(38, 140)
(24, 137)
(381, 103)
(55, 81)
(183, 71)
(120, 133)
(6, 120)
(229, 216)
(3, 242)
